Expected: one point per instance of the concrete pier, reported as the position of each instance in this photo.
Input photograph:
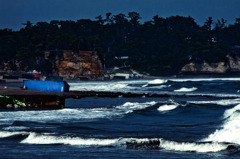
(12, 97)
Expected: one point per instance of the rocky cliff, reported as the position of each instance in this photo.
(68, 64)
(81, 64)
(232, 64)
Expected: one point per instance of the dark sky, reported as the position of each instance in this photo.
(15, 12)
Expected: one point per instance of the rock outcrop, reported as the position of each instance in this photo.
(81, 64)
(66, 63)
(204, 67)
(232, 64)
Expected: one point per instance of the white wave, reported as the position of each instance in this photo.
(197, 147)
(157, 81)
(230, 112)
(15, 128)
(167, 107)
(34, 138)
(230, 130)
(4, 134)
(184, 89)
(203, 79)
(130, 107)
(215, 95)
(154, 82)
(66, 115)
(98, 86)
(224, 102)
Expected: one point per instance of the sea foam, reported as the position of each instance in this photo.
(155, 82)
(4, 134)
(167, 107)
(224, 102)
(98, 86)
(35, 138)
(194, 146)
(230, 130)
(184, 89)
(67, 114)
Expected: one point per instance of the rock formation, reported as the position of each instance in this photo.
(204, 67)
(79, 64)
(232, 64)
(66, 63)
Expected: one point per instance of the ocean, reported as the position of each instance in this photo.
(202, 122)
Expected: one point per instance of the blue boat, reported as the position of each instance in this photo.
(50, 86)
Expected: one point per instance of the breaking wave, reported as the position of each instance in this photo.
(196, 147)
(129, 143)
(205, 79)
(15, 128)
(155, 82)
(35, 138)
(5, 134)
(67, 114)
(101, 86)
(224, 102)
(184, 89)
(167, 107)
(230, 130)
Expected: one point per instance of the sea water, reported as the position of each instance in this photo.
(202, 124)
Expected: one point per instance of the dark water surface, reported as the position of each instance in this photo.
(196, 127)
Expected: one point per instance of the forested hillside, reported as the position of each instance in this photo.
(158, 46)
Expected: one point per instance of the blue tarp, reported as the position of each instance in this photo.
(50, 86)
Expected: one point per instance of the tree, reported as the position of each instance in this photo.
(28, 25)
(159, 46)
(208, 24)
(220, 24)
(134, 18)
(100, 19)
(108, 18)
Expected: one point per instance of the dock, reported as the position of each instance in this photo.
(13, 97)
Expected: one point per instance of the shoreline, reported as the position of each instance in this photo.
(178, 76)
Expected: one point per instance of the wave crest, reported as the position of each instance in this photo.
(229, 131)
(167, 107)
(184, 89)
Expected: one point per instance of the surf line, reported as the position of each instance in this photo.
(82, 94)
(56, 100)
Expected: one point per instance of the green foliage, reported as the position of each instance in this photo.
(159, 46)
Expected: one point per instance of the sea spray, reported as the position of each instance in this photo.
(167, 107)
(69, 114)
(230, 130)
(184, 89)
(155, 82)
(132, 143)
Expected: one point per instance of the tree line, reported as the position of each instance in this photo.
(158, 46)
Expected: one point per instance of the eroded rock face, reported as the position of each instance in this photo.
(234, 63)
(80, 64)
(204, 67)
(66, 63)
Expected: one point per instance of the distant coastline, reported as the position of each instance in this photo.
(158, 47)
